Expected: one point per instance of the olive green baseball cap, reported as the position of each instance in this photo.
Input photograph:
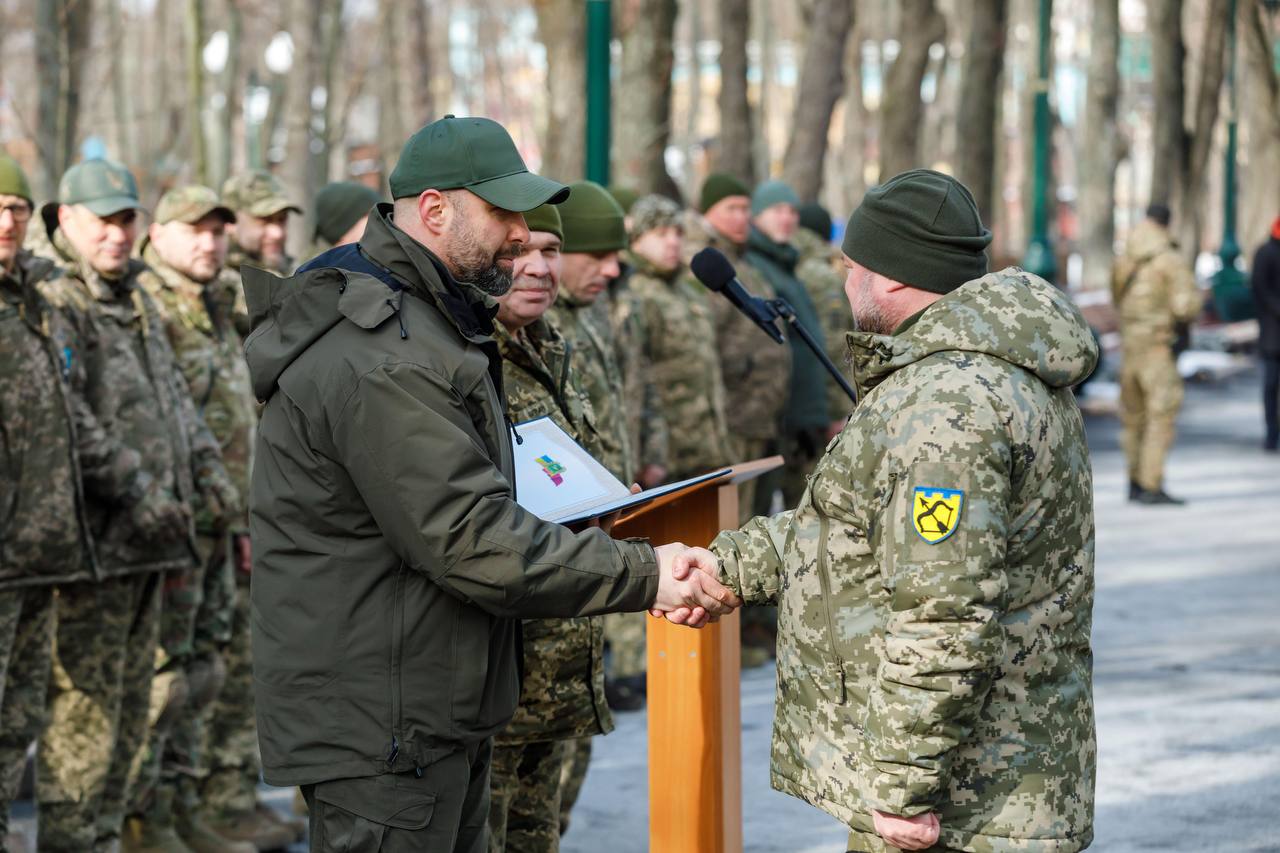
(103, 186)
(475, 154)
(257, 194)
(190, 204)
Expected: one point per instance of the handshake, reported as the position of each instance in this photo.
(688, 592)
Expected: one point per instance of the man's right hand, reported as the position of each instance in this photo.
(908, 833)
(159, 515)
(688, 592)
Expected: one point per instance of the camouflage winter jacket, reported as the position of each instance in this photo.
(935, 583)
(678, 344)
(1153, 289)
(210, 355)
(134, 390)
(756, 370)
(562, 694)
(600, 377)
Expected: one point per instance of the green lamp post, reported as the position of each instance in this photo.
(1039, 259)
(1231, 295)
(599, 34)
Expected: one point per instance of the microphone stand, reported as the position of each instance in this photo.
(782, 308)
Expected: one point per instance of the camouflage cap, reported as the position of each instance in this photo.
(257, 194)
(654, 211)
(103, 186)
(190, 204)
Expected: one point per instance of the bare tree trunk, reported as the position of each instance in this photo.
(856, 120)
(1260, 115)
(980, 101)
(642, 108)
(734, 154)
(562, 29)
(391, 133)
(232, 86)
(330, 56)
(78, 21)
(1102, 146)
(49, 74)
(821, 84)
(195, 91)
(901, 111)
(1169, 133)
(119, 103)
(695, 99)
(1212, 69)
(424, 107)
(296, 173)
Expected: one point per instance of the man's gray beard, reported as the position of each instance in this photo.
(868, 316)
(472, 266)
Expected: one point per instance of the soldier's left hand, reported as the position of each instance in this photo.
(908, 833)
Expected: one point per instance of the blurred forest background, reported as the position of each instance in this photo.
(831, 95)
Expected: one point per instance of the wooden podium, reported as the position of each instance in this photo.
(695, 718)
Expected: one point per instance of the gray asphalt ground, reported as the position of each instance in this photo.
(1187, 678)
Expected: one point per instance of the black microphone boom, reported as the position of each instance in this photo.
(713, 269)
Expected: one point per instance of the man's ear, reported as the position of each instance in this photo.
(153, 231)
(64, 214)
(891, 286)
(435, 211)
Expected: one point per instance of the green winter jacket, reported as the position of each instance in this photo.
(935, 583)
(391, 560)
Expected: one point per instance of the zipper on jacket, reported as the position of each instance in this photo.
(824, 530)
(397, 643)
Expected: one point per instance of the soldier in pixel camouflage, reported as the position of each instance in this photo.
(107, 631)
(562, 694)
(935, 583)
(185, 249)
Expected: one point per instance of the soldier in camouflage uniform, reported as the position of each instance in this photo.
(678, 341)
(594, 235)
(185, 250)
(1153, 290)
(44, 535)
(562, 694)
(229, 794)
(754, 368)
(107, 631)
(935, 584)
(821, 270)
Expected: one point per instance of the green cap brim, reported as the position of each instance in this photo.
(520, 192)
(271, 207)
(109, 205)
(226, 214)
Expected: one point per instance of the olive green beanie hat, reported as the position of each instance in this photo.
(920, 228)
(624, 196)
(593, 221)
(717, 187)
(546, 218)
(13, 181)
(341, 205)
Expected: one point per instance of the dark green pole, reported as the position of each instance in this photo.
(1039, 259)
(599, 34)
(1230, 295)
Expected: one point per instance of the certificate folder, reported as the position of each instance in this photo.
(557, 480)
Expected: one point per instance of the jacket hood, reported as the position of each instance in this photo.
(1147, 240)
(1011, 315)
(781, 254)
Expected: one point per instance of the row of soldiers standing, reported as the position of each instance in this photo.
(129, 423)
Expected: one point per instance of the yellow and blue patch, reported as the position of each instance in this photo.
(935, 512)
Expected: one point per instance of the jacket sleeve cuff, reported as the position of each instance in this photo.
(641, 563)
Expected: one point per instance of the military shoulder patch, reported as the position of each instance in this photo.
(935, 512)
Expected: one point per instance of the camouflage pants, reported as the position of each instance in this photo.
(625, 633)
(103, 660)
(577, 760)
(189, 673)
(26, 653)
(1150, 396)
(232, 731)
(524, 797)
(441, 807)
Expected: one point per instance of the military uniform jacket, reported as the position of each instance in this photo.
(134, 390)
(1153, 289)
(43, 531)
(391, 559)
(210, 354)
(819, 270)
(935, 582)
(600, 377)
(562, 694)
(756, 371)
(678, 345)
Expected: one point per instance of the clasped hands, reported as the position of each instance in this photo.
(688, 592)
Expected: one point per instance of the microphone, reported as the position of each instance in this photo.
(713, 269)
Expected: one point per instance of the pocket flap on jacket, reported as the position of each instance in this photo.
(391, 800)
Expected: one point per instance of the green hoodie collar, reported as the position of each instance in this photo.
(782, 254)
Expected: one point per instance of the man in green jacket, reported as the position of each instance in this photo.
(803, 431)
(935, 583)
(391, 560)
